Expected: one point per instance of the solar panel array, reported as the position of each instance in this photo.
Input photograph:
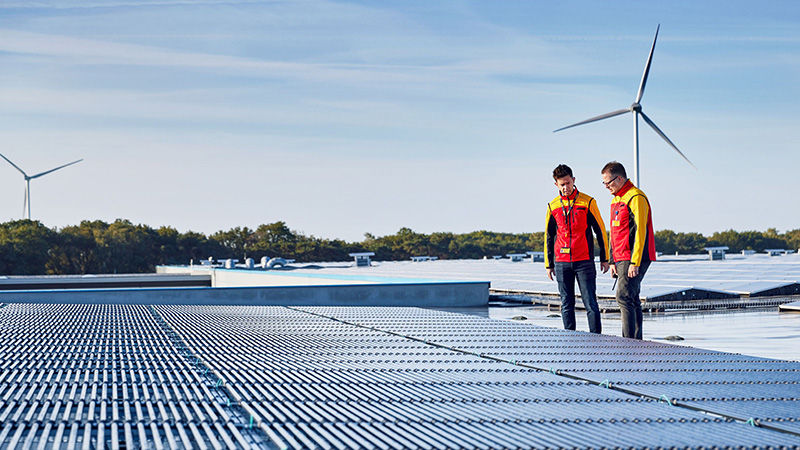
(89, 376)
(178, 376)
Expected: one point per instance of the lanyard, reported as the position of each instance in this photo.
(564, 209)
(568, 221)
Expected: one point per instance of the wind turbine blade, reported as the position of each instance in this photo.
(664, 136)
(53, 170)
(15, 166)
(596, 118)
(647, 68)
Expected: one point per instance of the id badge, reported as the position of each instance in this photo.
(565, 250)
(615, 223)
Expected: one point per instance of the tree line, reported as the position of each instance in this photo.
(30, 248)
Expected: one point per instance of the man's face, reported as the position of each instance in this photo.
(565, 185)
(612, 182)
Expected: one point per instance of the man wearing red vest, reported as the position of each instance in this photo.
(571, 218)
(633, 244)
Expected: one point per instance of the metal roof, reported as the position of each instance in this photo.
(102, 281)
(751, 275)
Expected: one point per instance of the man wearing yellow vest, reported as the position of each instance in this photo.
(633, 244)
(569, 248)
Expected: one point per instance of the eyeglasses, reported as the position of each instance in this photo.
(608, 183)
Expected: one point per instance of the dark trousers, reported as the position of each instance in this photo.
(630, 306)
(586, 274)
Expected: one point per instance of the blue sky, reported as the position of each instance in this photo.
(349, 117)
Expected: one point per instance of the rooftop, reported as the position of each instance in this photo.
(671, 277)
(357, 377)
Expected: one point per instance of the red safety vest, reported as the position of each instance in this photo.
(632, 236)
(568, 230)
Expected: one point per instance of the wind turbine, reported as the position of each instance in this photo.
(27, 204)
(636, 109)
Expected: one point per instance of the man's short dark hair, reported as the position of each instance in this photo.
(562, 170)
(616, 169)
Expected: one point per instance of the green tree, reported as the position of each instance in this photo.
(276, 239)
(75, 252)
(668, 241)
(234, 243)
(129, 248)
(25, 247)
(196, 246)
(747, 240)
(792, 239)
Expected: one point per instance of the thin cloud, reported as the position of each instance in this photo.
(684, 38)
(73, 50)
(88, 51)
(61, 5)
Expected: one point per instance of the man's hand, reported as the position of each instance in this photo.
(550, 274)
(613, 270)
(604, 267)
(633, 271)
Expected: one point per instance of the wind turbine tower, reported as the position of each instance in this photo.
(636, 109)
(26, 206)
